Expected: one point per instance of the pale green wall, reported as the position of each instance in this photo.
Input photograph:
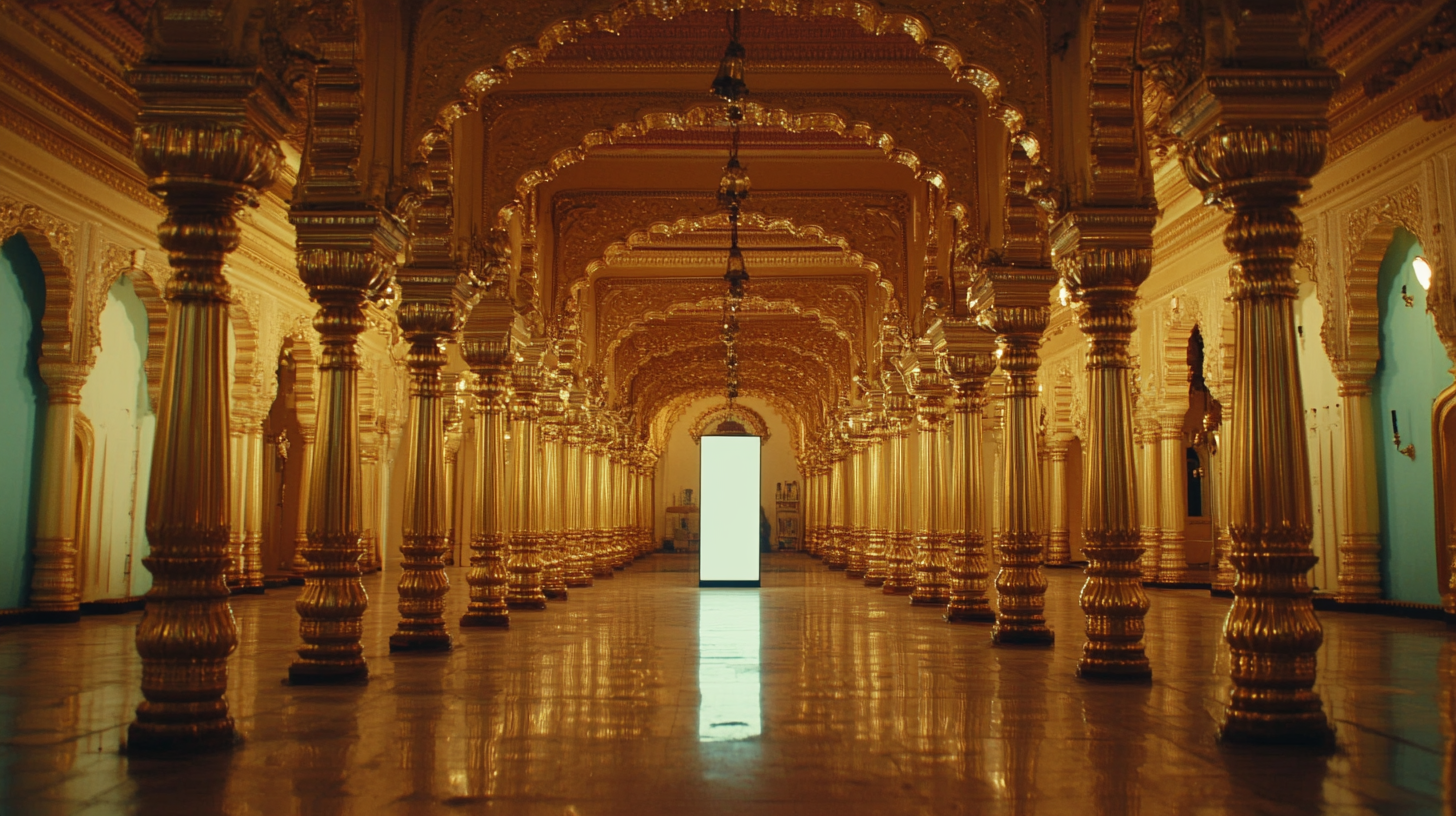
(115, 400)
(22, 404)
(1413, 371)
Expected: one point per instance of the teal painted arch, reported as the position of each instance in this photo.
(1412, 372)
(23, 399)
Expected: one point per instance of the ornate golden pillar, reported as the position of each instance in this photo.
(576, 477)
(253, 510)
(1058, 549)
(1253, 139)
(834, 547)
(932, 579)
(1173, 493)
(239, 458)
(855, 538)
(552, 531)
(206, 140)
(307, 439)
(875, 564)
(1149, 505)
(1105, 255)
(344, 256)
(454, 439)
(1359, 569)
(899, 546)
(970, 362)
(524, 562)
(490, 360)
(602, 505)
(1015, 307)
(54, 592)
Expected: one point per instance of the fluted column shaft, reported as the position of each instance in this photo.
(239, 458)
(553, 532)
(899, 549)
(1059, 548)
(299, 564)
(601, 535)
(1359, 569)
(490, 507)
(875, 565)
(1173, 494)
(856, 538)
(54, 592)
(969, 566)
(1110, 256)
(932, 579)
(1150, 505)
(834, 550)
(524, 563)
(253, 510)
(422, 580)
(1020, 584)
(332, 605)
(204, 168)
(575, 490)
(1254, 139)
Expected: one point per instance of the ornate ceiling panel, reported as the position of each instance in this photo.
(585, 225)
(462, 49)
(835, 307)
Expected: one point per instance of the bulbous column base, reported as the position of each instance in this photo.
(899, 565)
(159, 734)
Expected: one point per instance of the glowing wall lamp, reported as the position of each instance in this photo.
(1423, 272)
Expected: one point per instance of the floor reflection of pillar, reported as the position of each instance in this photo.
(1021, 695)
(1117, 749)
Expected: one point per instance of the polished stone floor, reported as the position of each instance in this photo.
(645, 695)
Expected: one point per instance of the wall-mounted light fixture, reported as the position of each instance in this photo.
(1422, 269)
(1408, 450)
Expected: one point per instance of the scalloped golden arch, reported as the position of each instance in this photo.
(715, 114)
(871, 16)
(724, 411)
(667, 415)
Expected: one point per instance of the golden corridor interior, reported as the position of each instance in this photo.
(356, 357)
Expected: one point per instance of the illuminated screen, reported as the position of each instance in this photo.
(728, 514)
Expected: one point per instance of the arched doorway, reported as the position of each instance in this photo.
(283, 472)
(111, 533)
(22, 403)
(1412, 372)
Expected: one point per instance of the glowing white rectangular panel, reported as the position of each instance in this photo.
(728, 515)
(730, 675)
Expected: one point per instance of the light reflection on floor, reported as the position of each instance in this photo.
(730, 676)
(860, 704)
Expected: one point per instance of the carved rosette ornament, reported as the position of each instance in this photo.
(1254, 139)
(344, 258)
(1105, 255)
(490, 360)
(208, 152)
(1016, 309)
(426, 323)
(970, 363)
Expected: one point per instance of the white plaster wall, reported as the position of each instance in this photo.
(678, 467)
(115, 400)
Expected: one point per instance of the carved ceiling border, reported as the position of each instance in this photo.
(999, 49)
